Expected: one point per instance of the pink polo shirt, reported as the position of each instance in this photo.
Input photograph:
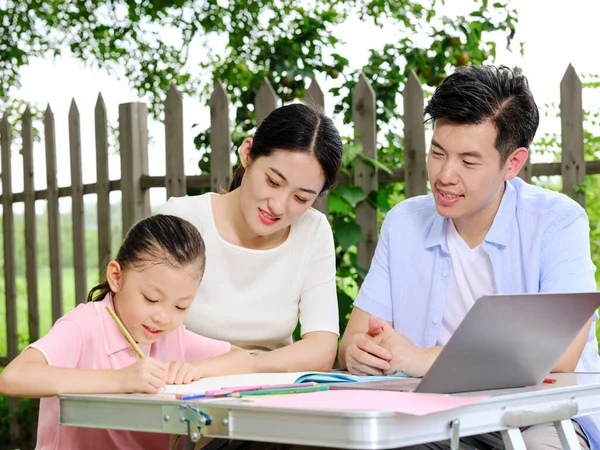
(88, 338)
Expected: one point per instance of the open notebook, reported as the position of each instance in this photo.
(253, 379)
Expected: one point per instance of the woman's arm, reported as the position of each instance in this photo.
(234, 362)
(315, 352)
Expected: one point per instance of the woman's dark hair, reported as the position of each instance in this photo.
(476, 94)
(297, 128)
(159, 239)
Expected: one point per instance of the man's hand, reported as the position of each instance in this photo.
(406, 356)
(365, 355)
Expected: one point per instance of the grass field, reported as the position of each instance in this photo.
(45, 307)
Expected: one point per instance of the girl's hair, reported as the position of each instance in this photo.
(297, 128)
(159, 239)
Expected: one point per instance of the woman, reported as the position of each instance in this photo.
(270, 256)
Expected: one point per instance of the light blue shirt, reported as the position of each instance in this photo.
(538, 242)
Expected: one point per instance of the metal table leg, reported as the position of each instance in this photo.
(567, 435)
(513, 439)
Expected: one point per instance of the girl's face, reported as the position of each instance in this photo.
(279, 188)
(152, 301)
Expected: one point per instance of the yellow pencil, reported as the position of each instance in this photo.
(125, 332)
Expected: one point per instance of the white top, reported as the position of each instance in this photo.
(472, 277)
(254, 298)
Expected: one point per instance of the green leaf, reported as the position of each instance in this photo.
(351, 194)
(351, 152)
(345, 303)
(347, 234)
(375, 163)
(362, 272)
(337, 204)
(381, 200)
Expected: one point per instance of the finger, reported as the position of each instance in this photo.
(174, 368)
(353, 369)
(181, 373)
(151, 388)
(160, 373)
(188, 376)
(363, 370)
(156, 367)
(368, 370)
(375, 327)
(368, 359)
(390, 371)
(157, 382)
(371, 347)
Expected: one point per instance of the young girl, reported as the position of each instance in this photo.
(150, 285)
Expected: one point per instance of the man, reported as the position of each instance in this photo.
(481, 231)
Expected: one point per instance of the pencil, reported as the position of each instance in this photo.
(125, 332)
(298, 390)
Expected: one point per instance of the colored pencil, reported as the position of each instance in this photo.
(281, 391)
(191, 396)
(231, 390)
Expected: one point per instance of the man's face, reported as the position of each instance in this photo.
(464, 170)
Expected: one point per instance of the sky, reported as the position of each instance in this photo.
(555, 34)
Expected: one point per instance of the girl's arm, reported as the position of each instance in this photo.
(30, 375)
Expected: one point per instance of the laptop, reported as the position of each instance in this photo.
(504, 341)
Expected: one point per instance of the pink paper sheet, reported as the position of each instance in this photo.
(368, 400)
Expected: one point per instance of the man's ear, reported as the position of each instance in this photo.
(114, 276)
(245, 148)
(515, 162)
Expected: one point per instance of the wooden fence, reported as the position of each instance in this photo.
(135, 181)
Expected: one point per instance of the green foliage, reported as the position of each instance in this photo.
(343, 200)
(26, 416)
(155, 44)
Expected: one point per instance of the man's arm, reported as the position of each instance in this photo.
(359, 350)
(371, 346)
(568, 361)
(566, 266)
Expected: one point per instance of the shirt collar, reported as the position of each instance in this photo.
(497, 234)
(437, 232)
(114, 341)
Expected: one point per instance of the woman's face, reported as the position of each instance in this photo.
(279, 188)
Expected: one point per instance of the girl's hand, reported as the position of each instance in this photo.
(144, 376)
(182, 373)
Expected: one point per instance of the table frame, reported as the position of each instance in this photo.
(505, 411)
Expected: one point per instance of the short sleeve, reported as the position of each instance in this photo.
(318, 298)
(62, 345)
(566, 263)
(374, 296)
(197, 348)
